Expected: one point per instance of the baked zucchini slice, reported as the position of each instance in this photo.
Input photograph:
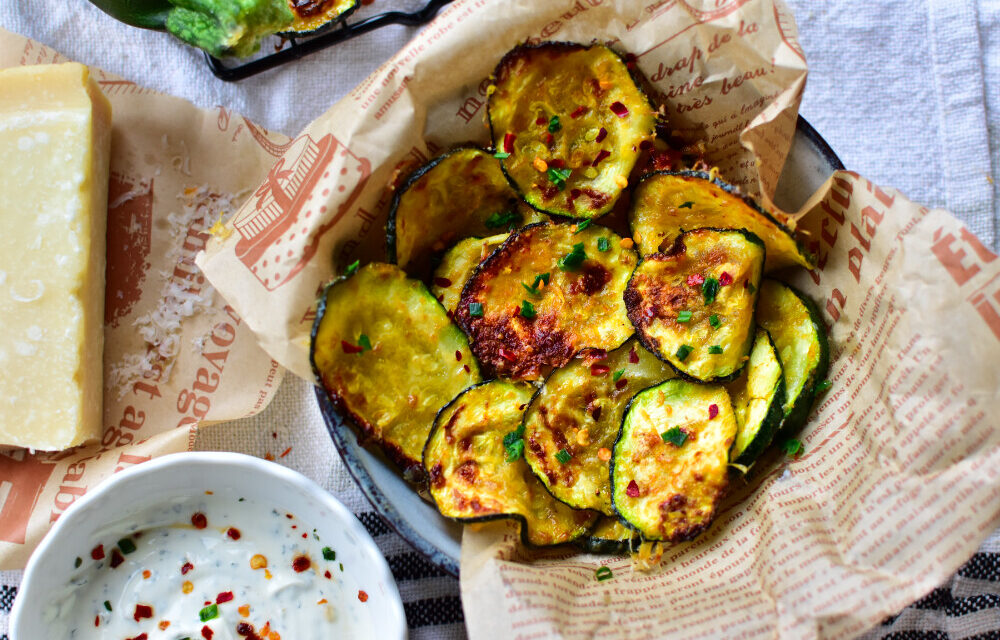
(800, 337)
(457, 265)
(313, 17)
(459, 194)
(693, 305)
(610, 536)
(571, 119)
(667, 203)
(547, 292)
(388, 356)
(472, 477)
(758, 401)
(572, 422)
(669, 468)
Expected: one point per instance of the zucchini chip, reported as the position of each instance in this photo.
(693, 305)
(572, 422)
(457, 265)
(669, 468)
(547, 292)
(800, 337)
(476, 473)
(572, 120)
(610, 536)
(758, 401)
(456, 195)
(387, 355)
(666, 203)
(313, 17)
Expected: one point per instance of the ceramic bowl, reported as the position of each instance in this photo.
(181, 475)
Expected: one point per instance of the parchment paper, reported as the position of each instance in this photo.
(899, 480)
(176, 355)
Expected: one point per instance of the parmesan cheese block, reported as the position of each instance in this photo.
(55, 145)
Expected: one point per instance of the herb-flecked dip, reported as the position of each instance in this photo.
(209, 567)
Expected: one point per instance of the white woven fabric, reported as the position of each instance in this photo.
(907, 92)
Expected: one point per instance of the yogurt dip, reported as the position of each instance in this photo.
(209, 567)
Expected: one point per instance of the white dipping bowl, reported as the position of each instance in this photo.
(191, 474)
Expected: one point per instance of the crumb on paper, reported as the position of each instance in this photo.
(648, 556)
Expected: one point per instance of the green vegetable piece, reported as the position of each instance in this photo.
(554, 124)
(209, 613)
(674, 436)
(503, 219)
(527, 310)
(77, 563)
(573, 259)
(686, 205)
(580, 226)
(793, 448)
(602, 244)
(329, 554)
(714, 321)
(683, 352)
(563, 456)
(364, 342)
(476, 309)
(107, 605)
(513, 443)
(709, 289)
(228, 27)
(500, 155)
(617, 376)
(823, 386)
(351, 268)
(126, 545)
(684, 316)
(558, 177)
(603, 573)
(715, 349)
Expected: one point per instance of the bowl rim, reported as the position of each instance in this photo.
(214, 459)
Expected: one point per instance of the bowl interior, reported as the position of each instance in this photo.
(179, 476)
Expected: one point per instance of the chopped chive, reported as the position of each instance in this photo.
(686, 205)
(107, 605)
(793, 448)
(709, 289)
(752, 289)
(580, 226)
(603, 573)
(714, 321)
(554, 124)
(823, 386)
(513, 443)
(527, 310)
(364, 342)
(329, 554)
(602, 244)
(208, 613)
(715, 349)
(684, 316)
(674, 436)
(618, 374)
(500, 155)
(341, 567)
(476, 309)
(532, 290)
(351, 268)
(563, 456)
(126, 545)
(77, 563)
(683, 352)
(573, 259)
(558, 177)
(501, 219)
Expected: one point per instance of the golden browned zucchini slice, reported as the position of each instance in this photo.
(758, 397)
(572, 422)
(472, 478)
(693, 305)
(799, 335)
(610, 536)
(669, 468)
(568, 121)
(456, 195)
(457, 265)
(667, 203)
(544, 294)
(387, 354)
(313, 17)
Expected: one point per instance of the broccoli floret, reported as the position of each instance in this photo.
(228, 27)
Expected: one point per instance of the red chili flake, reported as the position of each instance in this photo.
(244, 628)
(619, 109)
(467, 369)
(601, 135)
(142, 611)
(725, 279)
(695, 280)
(187, 566)
(326, 574)
(579, 111)
(289, 516)
(574, 194)
(225, 596)
(549, 139)
(746, 283)
(207, 633)
(116, 558)
(444, 283)
(97, 553)
(199, 520)
(362, 596)
(632, 490)
(285, 452)
(305, 535)
(508, 142)
(645, 145)
(97, 621)
(713, 410)
(621, 384)
(633, 356)
(507, 355)
(601, 155)
(274, 434)
(301, 563)
(540, 120)
(629, 59)
(350, 348)
(598, 369)
(458, 355)
(141, 636)
(233, 533)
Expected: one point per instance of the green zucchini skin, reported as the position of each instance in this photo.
(757, 417)
(665, 491)
(660, 289)
(610, 536)
(594, 195)
(470, 478)
(387, 405)
(805, 361)
(146, 14)
(657, 215)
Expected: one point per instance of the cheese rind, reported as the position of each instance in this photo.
(55, 141)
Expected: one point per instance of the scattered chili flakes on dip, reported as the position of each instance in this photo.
(215, 566)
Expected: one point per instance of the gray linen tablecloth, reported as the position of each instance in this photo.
(906, 92)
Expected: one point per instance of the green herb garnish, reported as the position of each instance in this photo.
(686, 205)
(793, 448)
(208, 613)
(603, 244)
(573, 259)
(329, 554)
(533, 289)
(558, 177)
(752, 289)
(674, 436)
(77, 563)
(503, 219)
(126, 545)
(527, 310)
(500, 155)
(476, 309)
(107, 605)
(580, 226)
(709, 289)
(563, 456)
(683, 352)
(683, 316)
(714, 321)
(554, 124)
(513, 443)
(364, 342)
(351, 268)
(823, 386)
(603, 573)
(715, 349)
(617, 375)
